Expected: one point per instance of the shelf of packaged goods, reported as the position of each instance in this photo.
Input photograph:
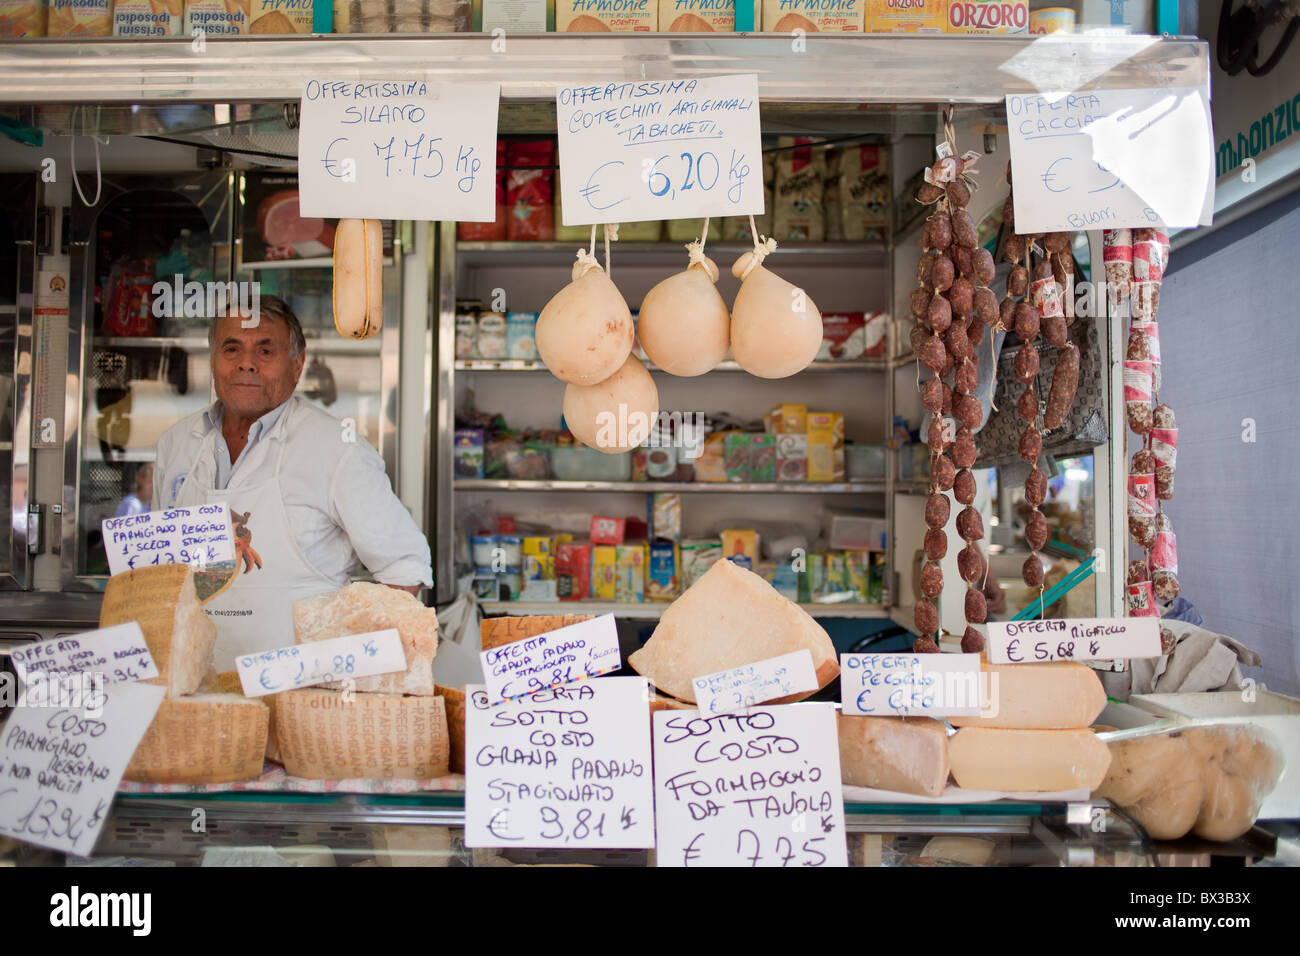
(315, 262)
(859, 69)
(686, 487)
(649, 253)
(651, 611)
(532, 365)
(197, 343)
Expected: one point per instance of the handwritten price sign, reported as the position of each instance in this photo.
(59, 765)
(1111, 159)
(320, 662)
(636, 152)
(567, 767)
(731, 690)
(199, 536)
(398, 150)
(1078, 639)
(910, 685)
(566, 654)
(117, 653)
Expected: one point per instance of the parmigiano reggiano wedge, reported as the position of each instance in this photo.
(207, 738)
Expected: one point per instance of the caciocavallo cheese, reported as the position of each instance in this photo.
(907, 754)
(987, 758)
(328, 734)
(1058, 696)
(163, 602)
(728, 618)
(206, 738)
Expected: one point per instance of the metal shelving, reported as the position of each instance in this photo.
(864, 69)
(532, 365)
(718, 487)
(652, 253)
(314, 262)
(195, 343)
(651, 611)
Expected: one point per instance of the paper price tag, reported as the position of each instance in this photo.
(680, 149)
(741, 687)
(61, 763)
(754, 789)
(198, 536)
(401, 149)
(911, 685)
(320, 662)
(566, 767)
(118, 653)
(586, 649)
(1111, 159)
(1073, 639)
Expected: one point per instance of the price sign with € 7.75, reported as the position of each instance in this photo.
(652, 150)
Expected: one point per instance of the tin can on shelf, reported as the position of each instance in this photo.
(1052, 20)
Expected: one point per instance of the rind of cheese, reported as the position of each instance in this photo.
(207, 738)
(907, 754)
(728, 618)
(362, 607)
(495, 631)
(163, 602)
(454, 701)
(987, 758)
(329, 735)
(1058, 696)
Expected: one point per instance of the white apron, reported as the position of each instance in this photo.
(256, 612)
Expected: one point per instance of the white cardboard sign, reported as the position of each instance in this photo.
(398, 149)
(911, 685)
(566, 767)
(760, 788)
(727, 691)
(586, 649)
(320, 662)
(119, 653)
(59, 766)
(651, 150)
(1073, 639)
(198, 535)
(1111, 159)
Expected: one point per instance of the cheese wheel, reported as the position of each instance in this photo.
(163, 602)
(495, 631)
(454, 701)
(207, 738)
(728, 618)
(1055, 696)
(985, 758)
(358, 278)
(328, 734)
(908, 754)
(362, 607)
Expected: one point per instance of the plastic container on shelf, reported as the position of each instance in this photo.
(481, 547)
(580, 463)
(914, 462)
(865, 461)
(511, 581)
(512, 550)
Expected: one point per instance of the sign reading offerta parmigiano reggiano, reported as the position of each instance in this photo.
(198, 536)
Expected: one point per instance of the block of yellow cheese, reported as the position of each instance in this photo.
(1056, 696)
(908, 754)
(163, 602)
(207, 738)
(987, 758)
(328, 734)
(728, 618)
(227, 682)
(363, 607)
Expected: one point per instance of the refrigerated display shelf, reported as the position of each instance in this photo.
(651, 611)
(688, 487)
(532, 365)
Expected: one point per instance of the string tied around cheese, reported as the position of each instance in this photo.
(763, 247)
(586, 261)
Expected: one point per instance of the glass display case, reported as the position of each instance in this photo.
(149, 263)
(17, 302)
(426, 829)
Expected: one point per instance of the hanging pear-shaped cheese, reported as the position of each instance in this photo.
(615, 415)
(776, 329)
(585, 332)
(684, 325)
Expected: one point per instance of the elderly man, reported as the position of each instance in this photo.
(308, 500)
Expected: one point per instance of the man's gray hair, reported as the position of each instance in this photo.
(274, 307)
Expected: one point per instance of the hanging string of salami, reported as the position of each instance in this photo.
(1135, 266)
(952, 305)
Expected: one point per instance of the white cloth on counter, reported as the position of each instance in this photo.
(1200, 661)
(340, 504)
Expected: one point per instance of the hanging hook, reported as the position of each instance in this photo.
(290, 114)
